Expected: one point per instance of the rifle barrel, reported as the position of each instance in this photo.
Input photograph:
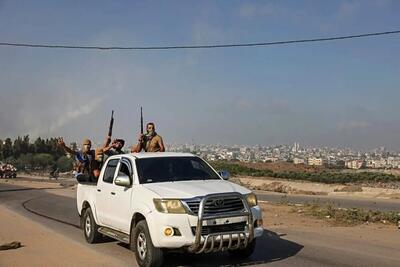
(110, 128)
(141, 120)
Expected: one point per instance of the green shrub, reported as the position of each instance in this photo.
(320, 177)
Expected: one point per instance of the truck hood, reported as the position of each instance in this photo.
(190, 189)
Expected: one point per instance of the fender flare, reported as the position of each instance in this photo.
(86, 204)
(144, 211)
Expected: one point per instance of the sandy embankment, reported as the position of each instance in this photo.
(309, 188)
(43, 247)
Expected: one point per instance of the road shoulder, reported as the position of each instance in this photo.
(43, 247)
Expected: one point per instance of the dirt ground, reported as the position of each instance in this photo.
(282, 220)
(40, 244)
(309, 188)
(43, 247)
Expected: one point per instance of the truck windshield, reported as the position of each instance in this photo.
(167, 169)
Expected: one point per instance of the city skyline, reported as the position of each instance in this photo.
(337, 94)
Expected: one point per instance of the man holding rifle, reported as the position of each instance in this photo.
(110, 148)
(149, 142)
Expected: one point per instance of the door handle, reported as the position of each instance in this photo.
(112, 193)
(98, 190)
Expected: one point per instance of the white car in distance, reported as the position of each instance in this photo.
(160, 202)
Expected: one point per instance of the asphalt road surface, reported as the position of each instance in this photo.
(338, 201)
(291, 248)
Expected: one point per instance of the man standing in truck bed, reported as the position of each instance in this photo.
(86, 167)
(149, 142)
(109, 149)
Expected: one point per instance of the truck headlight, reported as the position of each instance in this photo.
(251, 199)
(169, 206)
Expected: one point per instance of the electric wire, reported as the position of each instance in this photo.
(211, 46)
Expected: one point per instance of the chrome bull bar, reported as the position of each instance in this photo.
(224, 240)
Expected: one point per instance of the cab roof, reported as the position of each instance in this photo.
(143, 155)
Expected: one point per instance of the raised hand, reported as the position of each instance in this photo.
(61, 142)
(141, 138)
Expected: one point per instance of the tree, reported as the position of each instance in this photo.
(25, 161)
(7, 148)
(25, 145)
(1, 149)
(65, 163)
(43, 160)
(40, 145)
(17, 147)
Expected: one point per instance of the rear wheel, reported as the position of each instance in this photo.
(90, 227)
(243, 253)
(146, 254)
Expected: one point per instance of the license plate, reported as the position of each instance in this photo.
(224, 221)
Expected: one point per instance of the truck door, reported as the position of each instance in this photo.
(104, 192)
(121, 199)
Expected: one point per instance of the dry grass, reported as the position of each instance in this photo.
(347, 217)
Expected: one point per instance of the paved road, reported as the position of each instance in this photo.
(293, 247)
(339, 201)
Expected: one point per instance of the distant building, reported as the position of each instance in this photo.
(355, 164)
(315, 161)
(270, 159)
(376, 163)
(299, 161)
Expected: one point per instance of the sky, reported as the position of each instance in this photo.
(340, 93)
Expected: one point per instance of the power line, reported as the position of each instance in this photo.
(198, 46)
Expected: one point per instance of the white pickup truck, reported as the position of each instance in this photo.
(160, 202)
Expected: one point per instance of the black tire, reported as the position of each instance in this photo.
(146, 255)
(90, 227)
(245, 252)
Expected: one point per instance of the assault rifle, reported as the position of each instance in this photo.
(110, 128)
(141, 120)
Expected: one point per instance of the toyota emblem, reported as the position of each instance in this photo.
(219, 203)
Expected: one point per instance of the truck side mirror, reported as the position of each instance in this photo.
(224, 175)
(123, 180)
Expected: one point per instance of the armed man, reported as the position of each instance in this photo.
(109, 148)
(149, 142)
(86, 167)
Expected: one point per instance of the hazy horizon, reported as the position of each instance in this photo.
(336, 94)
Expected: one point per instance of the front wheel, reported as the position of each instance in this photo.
(146, 254)
(90, 227)
(243, 253)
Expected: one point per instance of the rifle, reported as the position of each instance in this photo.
(141, 120)
(110, 128)
(99, 152)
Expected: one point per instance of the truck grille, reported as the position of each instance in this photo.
(222, 228)
(216, 205)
